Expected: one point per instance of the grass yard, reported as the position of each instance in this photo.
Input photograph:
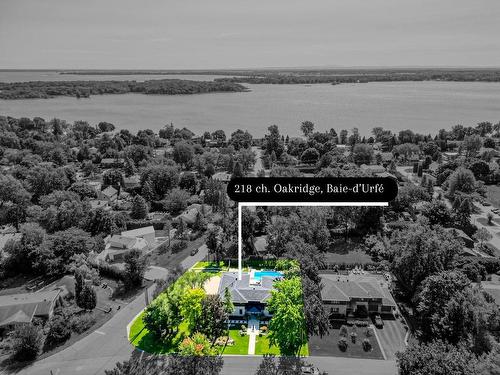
(262, 347)
(240, 343)
(328, 346)
(142, 339)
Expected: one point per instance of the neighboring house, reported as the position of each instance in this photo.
(118, 245)
(343, 297)
(372, 169)
(132, 181)
(96, 203)
(248, 296)
(190, 213)
(458, 233)
(222, 176)
(112, 162)
(147, 233)
(23, 307)
(110, 194)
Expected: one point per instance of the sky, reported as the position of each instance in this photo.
(224, 34)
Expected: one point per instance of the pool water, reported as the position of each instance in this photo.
(259, 274)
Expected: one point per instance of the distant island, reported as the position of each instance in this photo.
(322, 75)
(84, 89)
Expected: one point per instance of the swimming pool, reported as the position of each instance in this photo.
(257, 276)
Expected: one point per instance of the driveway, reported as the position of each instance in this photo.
(392, 338)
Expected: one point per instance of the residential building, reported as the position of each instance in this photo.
(118, 245)
(249, 295)
(222, 176)
(110, 194)
(23, 307)
(147, 233)
(190, 213)
(344, 296)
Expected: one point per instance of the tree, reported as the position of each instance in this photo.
(112, 177)
(176, 201)
(274, 142)
(105, 127)
(287, 328)
(461, 180)
(237, 171)
(419, 252)
(438, 213)
(472, 144)
(162, 179)
(191, 307)
(162, 316)
(214, 242)
(241, 139)
(26, 341)
(362, 153)
(135, 267)
(169, 365)
(436, 358)
(183, 153)
(310, 156)
(54, 255)
(188, 182)
(58, 330)
(196, 345)
(307, 127)
(213, 317)
(88, 297)
(483, 235)
(228, 302)
(139, 208)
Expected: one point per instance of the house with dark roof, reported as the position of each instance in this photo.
(249, 296)
(345, 297)
(23, 307)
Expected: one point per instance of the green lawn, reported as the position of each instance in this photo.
(211, 265)
(240, 343)
(142, 339)
(262, 347)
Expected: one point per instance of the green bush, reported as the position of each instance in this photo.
(26, 341)
(343, 344)
(178, 246)
(81, 323)
(367, 345)
(58, 330)
(343, 331)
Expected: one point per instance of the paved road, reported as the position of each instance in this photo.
(247, 365)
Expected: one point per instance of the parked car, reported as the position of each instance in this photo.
(377, 320)
(194, 252)
(310, 370)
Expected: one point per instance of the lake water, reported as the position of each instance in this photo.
(424, 107)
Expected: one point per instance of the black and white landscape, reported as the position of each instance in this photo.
(122, 123)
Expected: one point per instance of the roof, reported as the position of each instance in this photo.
(242, 291)
(139, 232)
(21, 308)
(341, 288)
(126, 242)
(221, 176)
(458, 233)
(110, 191)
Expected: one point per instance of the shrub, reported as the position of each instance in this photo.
(59, 330)
(26, 341)
(110, 271)
(354, 335)
(178, 246)
(367, 345)
(342, 344)
(81, 323)
(369, 332)
(263, 329)
(343, 331)
(361, 323)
